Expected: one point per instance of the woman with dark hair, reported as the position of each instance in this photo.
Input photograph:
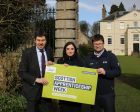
(70, 58)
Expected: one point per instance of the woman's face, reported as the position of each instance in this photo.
(70, 50)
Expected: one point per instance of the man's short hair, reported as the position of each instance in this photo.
(40, 33)
(97, 37)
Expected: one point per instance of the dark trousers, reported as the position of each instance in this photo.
(66, 106)
(104, 103)
(42, 105)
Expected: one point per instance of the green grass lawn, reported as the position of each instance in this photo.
(127, 98)
(130, 64)
(128, 85)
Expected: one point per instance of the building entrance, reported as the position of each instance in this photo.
(136, 47)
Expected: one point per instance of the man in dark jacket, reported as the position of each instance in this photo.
(108, 68)
(31, 71)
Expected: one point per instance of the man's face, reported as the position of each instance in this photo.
(40, 42)
(98, 45)
(70, 50)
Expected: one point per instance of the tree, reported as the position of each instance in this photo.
(84, 27)
(46, 22)
(95, 28)
(121, 7)
(113, 9)
(14, 24)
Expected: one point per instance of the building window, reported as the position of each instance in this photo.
(136, 37)
(122, 39)
(109, 25)
(109, 40)
(122, 25)
(135, 24)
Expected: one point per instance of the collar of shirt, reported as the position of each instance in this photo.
(38, 50)
(99, 54)
(39, 54)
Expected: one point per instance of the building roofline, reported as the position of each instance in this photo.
(116, 15)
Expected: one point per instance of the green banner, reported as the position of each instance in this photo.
(71, 83)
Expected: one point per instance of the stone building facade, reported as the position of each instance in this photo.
(121, 31)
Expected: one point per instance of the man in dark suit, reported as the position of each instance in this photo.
(31, 72)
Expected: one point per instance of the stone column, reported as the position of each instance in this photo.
(66, 24)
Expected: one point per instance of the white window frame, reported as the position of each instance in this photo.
(136, 37)
(135, 23)
(109, 40)
(122, 40)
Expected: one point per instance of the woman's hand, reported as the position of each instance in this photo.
(65, 64)
(49, 63)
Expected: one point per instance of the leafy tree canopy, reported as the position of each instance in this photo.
(84, 27)
(121, 7)
(115, 8)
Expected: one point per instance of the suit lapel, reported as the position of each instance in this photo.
(35, 58)
(48, 54)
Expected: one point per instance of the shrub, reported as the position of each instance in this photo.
(84, 49)
(12, 103)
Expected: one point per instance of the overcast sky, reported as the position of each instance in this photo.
(90, 10)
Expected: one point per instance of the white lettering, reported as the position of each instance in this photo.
(65, 78)
(59, 89)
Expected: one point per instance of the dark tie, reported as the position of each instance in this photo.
(42, 62)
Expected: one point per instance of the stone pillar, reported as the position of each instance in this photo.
(66, 24)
